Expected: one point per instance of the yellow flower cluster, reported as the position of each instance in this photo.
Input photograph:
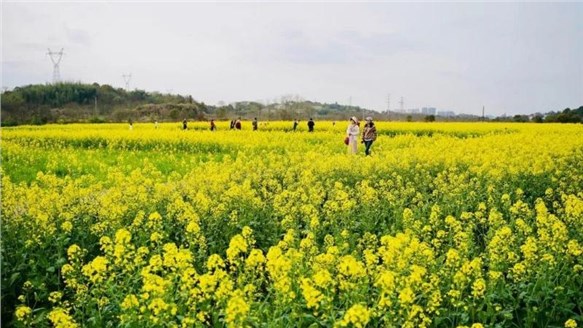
(445, 224)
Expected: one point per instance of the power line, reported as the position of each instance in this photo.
(56, 59)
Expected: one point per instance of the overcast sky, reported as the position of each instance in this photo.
(510, 57)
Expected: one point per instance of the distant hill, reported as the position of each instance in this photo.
(79, 102)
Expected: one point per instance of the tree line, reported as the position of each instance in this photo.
(70, 102)
(77, 102)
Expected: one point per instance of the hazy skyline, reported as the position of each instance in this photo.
(513, 58)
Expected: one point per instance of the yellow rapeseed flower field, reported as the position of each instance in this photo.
(444, 225)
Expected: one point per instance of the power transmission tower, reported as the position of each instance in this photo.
(56, 59)
(127, 78)
(402, 103)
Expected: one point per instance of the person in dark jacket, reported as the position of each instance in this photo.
(255, 123)
(369, 135)
(295, 124)
(238, 124)
(184, 124)
(311, 125)
(213, 125)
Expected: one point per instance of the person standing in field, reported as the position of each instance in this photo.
(295, 124)
(352, 133)
(232, 124)
(184, 124)
(311, 125)
(131, 124)
(238, 124)
(255, 123)
(213, 125)
(369, 135)
(155, 124)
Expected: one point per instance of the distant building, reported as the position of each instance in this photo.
(445, 113)
(429, 110)
(413, 110)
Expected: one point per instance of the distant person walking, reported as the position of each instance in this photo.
(369, 135)
(295, 124)
(311, 125)
(255, 123)
(352, 133)
(238, 124)
(184, 124)
(213, 125)
(131, 124)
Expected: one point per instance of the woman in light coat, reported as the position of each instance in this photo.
(352, 133)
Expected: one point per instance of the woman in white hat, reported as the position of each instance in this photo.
(352, 133)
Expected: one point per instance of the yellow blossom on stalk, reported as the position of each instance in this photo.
(23, 312)
(358, 315)
(237, 309)
(106, 244)
(154, 283)
(255, 258)
(452, 257)
(215, 262)
(67, 226)
(156, 237)
(237, 246)
(386, 281)
(477, 325)
(323, 278)
(158, 306)
(193, 227)
(96, 269)
(570, 323)
(406, 296)
(73, 252)
(350, 267)
(130, 301)
(123, 236)
(311, 294)
(573, 248)
(247, 232)
(60, 318)
(478, 288)
(518, 271)
(54, 297)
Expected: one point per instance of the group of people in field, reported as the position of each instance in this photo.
(369, 135)
(369, 131)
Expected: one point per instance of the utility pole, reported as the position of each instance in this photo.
(483, 117)
(56, 59)
(389, 106)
